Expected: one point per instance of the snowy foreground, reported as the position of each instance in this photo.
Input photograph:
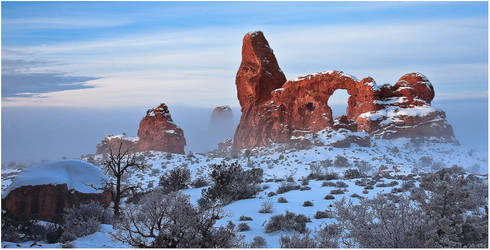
(400, 157)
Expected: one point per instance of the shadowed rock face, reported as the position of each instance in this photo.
(274, 110)
(156, 131)
(48, 202)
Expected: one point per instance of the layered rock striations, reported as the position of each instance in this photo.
(276, 110)
(157, 131)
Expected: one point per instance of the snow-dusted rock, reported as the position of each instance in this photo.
(301, 105)
(45, 190)
(156, 131)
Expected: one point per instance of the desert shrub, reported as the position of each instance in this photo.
(165, 220)
(266, 206)
(323, 214)
(329, 197)
(286, 187)
(391, 184)
(364, 167)
(282, 200)
(352, 174)
(176, 179)
(258, 242)
(368, 187)
(245, 218)
(304, 188)
(356, 196)
(264, 187)
(305, 182)
(231, 182)
(361, 183)
(297, 241)
(341, 161)
(270, 194)
(336, 191)
(341, 184)
(396, 190)
(287, 222)
(328, 184)
(199, 182)
(307, 204)
(365, 191)
(446, 210)
(83, 220)
(242, 227)
(408, 185)
(326, 237)
(320, 173)
(22, 230)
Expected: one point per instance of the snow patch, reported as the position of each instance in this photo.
(77, 174)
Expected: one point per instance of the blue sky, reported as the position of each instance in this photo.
(73, 72)
(93, 53)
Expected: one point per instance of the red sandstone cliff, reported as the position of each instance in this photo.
(274, 110)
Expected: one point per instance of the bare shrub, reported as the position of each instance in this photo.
(336, 191)
(307, 204)
(341, 161)
(245, 218)
(199, 182)
(326, 237)
(231, 182)
(287, 222)
(328, 184)
(329, 197)
(242, 227)
(266, 206)
(323, 214)
(176, 179)
(282, 200)
(83, 220)
(352, 174)
(286, 187)
(169, 220)
(341, 184)
(258, 242)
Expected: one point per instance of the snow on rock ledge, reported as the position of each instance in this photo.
(274, 110)
(78, 175)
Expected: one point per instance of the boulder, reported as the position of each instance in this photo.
(276, 110)
(46, 190)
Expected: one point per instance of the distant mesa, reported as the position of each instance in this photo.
(276, 110)
(157, 131)
(44, 191)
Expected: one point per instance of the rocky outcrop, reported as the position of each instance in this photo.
(44, 191)
(156, 131)
(48, 202)
(275, 110)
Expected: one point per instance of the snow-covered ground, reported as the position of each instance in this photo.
(279, 161)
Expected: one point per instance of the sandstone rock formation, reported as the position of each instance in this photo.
(156, 131)
(44, 191)
(274, 110)
(48, 202)
(221, 115)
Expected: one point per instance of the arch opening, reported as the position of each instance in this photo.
(339, 102)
